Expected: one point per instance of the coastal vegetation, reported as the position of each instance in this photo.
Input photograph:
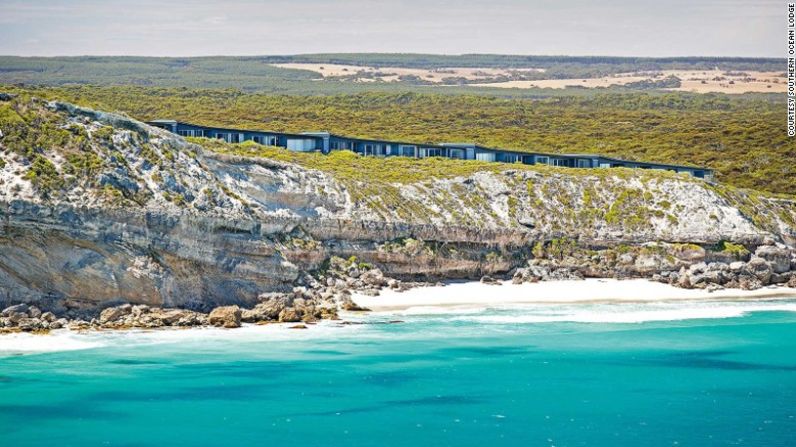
(740, 137)
(118, 199)
(554, 66)
(56, 154)
(258, 74)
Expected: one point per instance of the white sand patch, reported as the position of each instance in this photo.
(554, 292)
(628, 313)
(564, 83)
(698, 81)
(392, 74)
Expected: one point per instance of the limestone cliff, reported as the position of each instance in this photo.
(98, 208)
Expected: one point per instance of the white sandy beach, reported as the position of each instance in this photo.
(554, 292)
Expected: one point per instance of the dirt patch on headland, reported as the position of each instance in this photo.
(705, 81)
(395, 74)
(696, 81)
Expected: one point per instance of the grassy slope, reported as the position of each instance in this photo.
(741, 137)
(376, 183)
(35, 137)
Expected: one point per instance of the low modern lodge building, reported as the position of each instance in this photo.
(326, 142)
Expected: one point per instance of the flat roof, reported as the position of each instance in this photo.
(322, 134)
(373, 140)
(233, 129)
(548, 154)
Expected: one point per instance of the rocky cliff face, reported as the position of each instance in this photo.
(98, 208)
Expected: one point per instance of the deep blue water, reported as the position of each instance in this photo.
(520, 376)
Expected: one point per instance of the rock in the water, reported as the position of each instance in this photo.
(225, 316)
(114, 313)
(174, 317)
(267, 310)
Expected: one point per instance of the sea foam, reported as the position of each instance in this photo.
(624, 313)
(60, 340)
(370, 324)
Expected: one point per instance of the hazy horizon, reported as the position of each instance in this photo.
(631, 56)
(191, 28)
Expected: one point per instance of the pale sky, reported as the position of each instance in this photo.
(252, 27)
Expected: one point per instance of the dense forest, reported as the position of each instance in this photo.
(256, 74)
(741, 137)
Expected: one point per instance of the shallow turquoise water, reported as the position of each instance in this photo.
(589, 375)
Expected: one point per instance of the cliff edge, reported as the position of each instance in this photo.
(99, 209)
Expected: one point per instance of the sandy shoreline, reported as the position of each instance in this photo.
(554, 292)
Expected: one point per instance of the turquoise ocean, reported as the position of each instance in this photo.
(665, 374)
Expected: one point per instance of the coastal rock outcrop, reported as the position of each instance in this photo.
(225, 316)
(112, 211)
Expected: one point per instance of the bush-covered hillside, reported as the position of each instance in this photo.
(257, 74)
(556, 67)
(742, 138)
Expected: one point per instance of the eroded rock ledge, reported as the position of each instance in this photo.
(98, 211)
(320, 297)
(328, 290)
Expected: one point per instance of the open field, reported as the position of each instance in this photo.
(705, 81)
(482, 74)
(695, 81)
(732, 82)
(396, 74)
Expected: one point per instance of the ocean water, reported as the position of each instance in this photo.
(667, 374)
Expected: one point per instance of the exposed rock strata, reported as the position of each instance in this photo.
(175, 231)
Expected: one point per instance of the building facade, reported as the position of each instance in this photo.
(326, 142)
